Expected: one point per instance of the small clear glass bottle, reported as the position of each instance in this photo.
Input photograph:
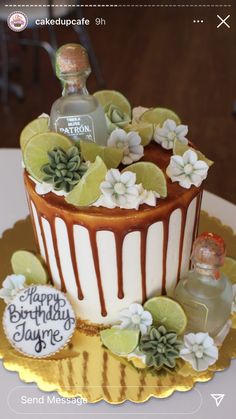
(205, 294)
(77, 114)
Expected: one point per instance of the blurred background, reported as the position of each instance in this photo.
(154, 56)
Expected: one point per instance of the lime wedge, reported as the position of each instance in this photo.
(180, 148)
(35, 154)
(120, 341)
(111, 156)
(150, 175)
(88, 190)
(144, 129)
(168, 312)
(30, 265)
(229, 269)
(36, 126)
(115, 98)
(158, 116)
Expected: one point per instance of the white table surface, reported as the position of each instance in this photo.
(197, 403)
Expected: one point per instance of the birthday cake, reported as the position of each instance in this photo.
(114, 195)
(106, 258)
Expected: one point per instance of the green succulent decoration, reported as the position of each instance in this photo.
(115, 117)
(161, 347)
(65, 168)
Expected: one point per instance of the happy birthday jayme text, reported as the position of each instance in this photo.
(41, 318)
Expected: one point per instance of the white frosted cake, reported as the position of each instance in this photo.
(105, 258)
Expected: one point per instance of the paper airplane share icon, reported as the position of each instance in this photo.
(218, 398)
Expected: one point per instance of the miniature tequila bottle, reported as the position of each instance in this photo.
(205, 294)
(77, 114)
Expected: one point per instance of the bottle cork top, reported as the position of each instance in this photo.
(209, 249)
(72, 60)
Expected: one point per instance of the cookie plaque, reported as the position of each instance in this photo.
(39, 321)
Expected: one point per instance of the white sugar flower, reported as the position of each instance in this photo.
(120, 189)
(11, 286)
(199, 350)
(129, 142)
(169, 132)
(234, 299)
(187, 169)
(135, 318)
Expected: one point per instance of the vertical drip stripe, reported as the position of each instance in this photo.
(143, 238)
(74, 260)
(33, 223)
(142, 383)
(71, 373)
(85, 373)
(104, 376)
(199, 203)
(196, 222)
(97, 271)
(123, 386)
(164, 255)
(45, 245)
(181, 240)
(38, 231)
(57, 255)
(119, 257)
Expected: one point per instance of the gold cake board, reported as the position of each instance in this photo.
(84, 368)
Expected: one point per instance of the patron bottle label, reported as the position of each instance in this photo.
(76, 127)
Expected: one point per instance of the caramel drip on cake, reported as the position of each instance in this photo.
(196, 222)
(45, 245)
(57, 255)
(197, 217)
(73, 259)
(165, 247)
(181, 242)
(143, 239)
(94, 248)
(119, 238)
(33, 223)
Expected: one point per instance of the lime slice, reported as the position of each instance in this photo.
(35, 154)
(144, 129)
(158, 116)
(28, 264)
(229, 269)
(180, 148)
(88, 190)
(111, 156)
(36, 126)
(120, 341)
(115, 98)
(150, 175)
(168, 312)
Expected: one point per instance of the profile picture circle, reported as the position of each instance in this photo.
(17, 21)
